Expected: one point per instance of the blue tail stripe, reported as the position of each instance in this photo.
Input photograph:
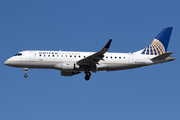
(164, 36)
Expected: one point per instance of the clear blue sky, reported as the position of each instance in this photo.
(148, 93)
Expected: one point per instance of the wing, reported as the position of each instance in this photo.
(96, 57)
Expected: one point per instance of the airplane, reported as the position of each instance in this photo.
(72, 63)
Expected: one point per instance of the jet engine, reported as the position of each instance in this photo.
(67, 66)
(65, 73)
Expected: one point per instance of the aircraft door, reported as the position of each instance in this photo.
(131, 58)
(31, 55)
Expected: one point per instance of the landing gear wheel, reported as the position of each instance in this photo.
(25, 75)
(88, 74)
(26, 70)
(87, 77)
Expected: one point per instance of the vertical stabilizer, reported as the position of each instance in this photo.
(160, 44)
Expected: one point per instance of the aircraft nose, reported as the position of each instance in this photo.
(7, 62)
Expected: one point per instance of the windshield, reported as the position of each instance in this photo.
(18, 54)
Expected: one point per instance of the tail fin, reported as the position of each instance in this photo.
(160, 44)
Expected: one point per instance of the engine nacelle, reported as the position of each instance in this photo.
(65, 73)
(67, 66)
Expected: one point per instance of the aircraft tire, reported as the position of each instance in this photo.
(88, 74)
(87, 77)
(25, 75)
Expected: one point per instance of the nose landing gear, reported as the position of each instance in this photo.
(26, 70)
(25, 75)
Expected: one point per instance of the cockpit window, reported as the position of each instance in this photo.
(18, 54)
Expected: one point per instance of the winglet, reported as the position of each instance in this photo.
(108, 44)
(106, 47)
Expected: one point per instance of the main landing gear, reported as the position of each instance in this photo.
(88, 74)
(26, 74)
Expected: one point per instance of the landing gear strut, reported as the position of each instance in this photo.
(26, 70)
(88, 74)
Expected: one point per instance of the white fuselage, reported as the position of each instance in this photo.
(66, 60)
(72, 63)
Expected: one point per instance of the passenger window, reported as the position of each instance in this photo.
(40, 55)
(53, 55)
(61, 55)
(57, 55)
(119, 57)
(115, 57)
(111, 56)
(48, 55)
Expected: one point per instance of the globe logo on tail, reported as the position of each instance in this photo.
(154, 48)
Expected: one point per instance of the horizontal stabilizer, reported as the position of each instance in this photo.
(162, 56)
